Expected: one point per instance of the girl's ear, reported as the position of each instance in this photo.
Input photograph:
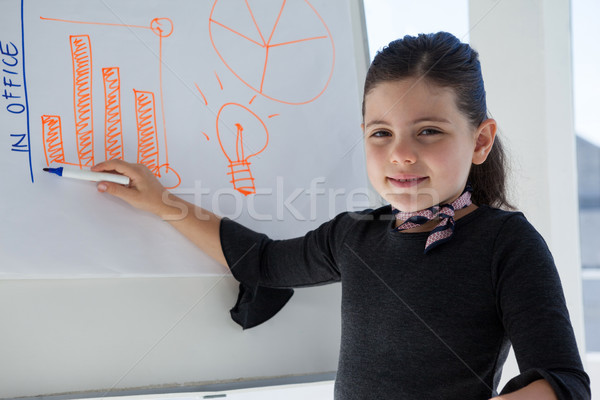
(484, 140)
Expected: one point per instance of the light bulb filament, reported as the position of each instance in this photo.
(239, 142)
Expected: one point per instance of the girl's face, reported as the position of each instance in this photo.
(419, 146)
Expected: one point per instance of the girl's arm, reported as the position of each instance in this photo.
(533, 311)
(146, 193)
(537, 390)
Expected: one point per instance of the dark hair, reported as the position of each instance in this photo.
(444, 60)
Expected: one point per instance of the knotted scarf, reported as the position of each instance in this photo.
(445, 212)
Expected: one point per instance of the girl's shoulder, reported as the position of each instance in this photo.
(360, 222)
(509, 228)
(499, 217)
(379, 215)
(496, 215)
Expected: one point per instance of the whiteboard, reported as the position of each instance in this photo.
(250, 109)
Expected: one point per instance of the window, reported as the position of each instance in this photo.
(391, 19)
(586, 63)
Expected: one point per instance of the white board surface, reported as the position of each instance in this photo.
(248, 108)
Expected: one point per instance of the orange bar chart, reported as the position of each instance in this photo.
(145, 116)
(53, 142)
(81, 53)
(113, 126)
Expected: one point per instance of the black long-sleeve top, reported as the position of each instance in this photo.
(428, 326)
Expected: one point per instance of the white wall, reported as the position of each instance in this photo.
(525, 48)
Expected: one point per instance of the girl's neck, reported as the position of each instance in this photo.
(428, 227)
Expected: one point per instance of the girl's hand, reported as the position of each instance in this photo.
(536, 390)
(144, 192)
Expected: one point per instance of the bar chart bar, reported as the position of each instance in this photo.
(145, 114)
(113, 126)
(53, 141)
(81, 54)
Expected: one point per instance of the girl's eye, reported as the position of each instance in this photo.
(429, 132)
(380, 134)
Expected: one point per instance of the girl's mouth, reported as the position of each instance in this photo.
(406, 182)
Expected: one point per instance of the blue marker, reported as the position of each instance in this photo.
(88, 175)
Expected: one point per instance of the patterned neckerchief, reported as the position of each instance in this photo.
(445, 212)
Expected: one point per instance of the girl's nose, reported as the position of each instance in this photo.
(403, 153)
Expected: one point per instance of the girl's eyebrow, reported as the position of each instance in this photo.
(376, 122)
(431, 119)
(415, 122)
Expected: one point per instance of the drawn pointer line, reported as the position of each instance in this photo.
(94, 23)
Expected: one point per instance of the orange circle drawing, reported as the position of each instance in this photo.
(170, 178)
(163, 27)
(285, 53)
(237, 117)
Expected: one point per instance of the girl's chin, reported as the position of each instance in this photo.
(412, 202)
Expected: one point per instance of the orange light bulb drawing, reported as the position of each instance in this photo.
(242, 135)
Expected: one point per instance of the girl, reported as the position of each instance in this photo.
(438, 284)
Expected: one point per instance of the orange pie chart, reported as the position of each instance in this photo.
(282, 50)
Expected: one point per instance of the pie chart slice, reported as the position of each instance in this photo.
(241, 22)
(245, 58)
